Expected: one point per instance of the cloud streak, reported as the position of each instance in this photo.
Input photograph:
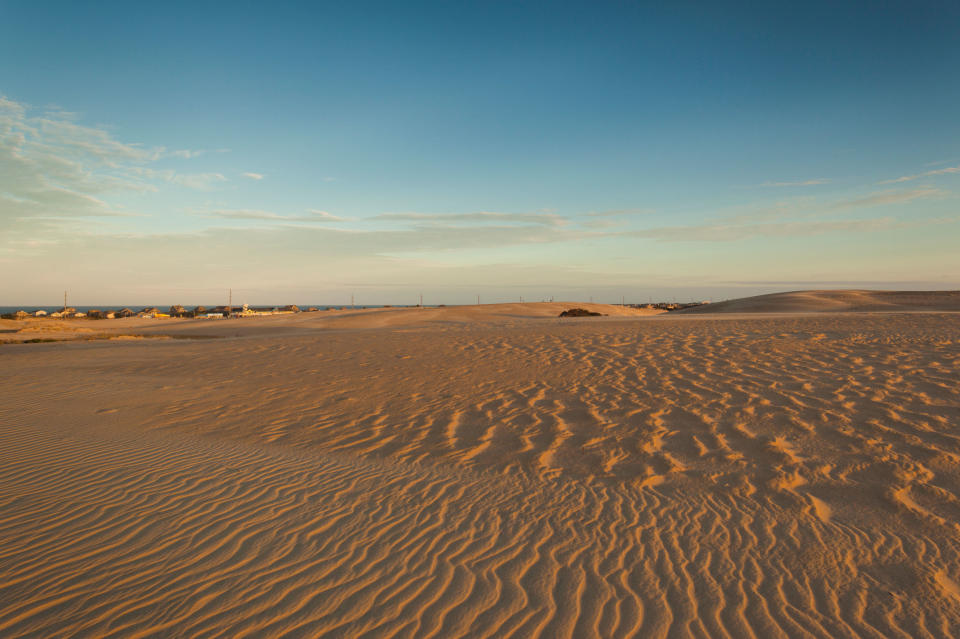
(736, 232)
(475, 219)
(621, 213)
(889, 197)
(814, 182)
(950, 170)
(268, 216)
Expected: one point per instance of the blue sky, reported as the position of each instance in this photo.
(311, 151)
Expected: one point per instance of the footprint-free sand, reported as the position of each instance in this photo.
(490, 471)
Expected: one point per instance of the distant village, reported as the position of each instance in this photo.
(669, 306)
(216, 312)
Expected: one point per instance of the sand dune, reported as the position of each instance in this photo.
(21, 330)
(836, 301)
(486, 472)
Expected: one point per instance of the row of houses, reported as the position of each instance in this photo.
(176, 310)
(233, 311)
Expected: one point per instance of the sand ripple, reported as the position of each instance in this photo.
(714, 478)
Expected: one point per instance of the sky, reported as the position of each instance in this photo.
(306, 152)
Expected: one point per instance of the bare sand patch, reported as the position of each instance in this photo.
(487, 473)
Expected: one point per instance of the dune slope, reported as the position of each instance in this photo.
(836, 301)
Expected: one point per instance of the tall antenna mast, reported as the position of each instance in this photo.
(64, 299)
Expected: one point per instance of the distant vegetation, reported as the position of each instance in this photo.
(580, 312)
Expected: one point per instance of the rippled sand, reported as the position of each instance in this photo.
(486, 473)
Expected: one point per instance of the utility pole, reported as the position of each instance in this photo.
(478, 300)
(230, 303)
(64, 300)
(421, 300)
(352, 305)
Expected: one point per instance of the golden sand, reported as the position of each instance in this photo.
(486, 472)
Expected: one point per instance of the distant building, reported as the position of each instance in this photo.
(39, 313)
(21, 315)
(125, 312)
(262, 310)
(221, 311)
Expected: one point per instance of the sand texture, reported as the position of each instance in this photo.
(486, 472)
(841, 301)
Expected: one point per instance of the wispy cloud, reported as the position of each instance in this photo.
(799, 218)
(253, 176)
(735, 232)
(475, 219)
(52, 168)
(621, 212)
(243, 214)
(186, 154)
(814, 182)
(325, 216)
(890, 197)
(808, 207)
(907, 178)
(197, 181)
(268, 216)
